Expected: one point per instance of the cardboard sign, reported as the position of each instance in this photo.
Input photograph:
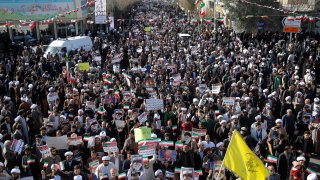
(216, 89)
(202, 88)
(228, 100)
(84, 66)
(58, 142)
(17, 145)
(142, 133)
(147, 150)
(93, 166)
(117, 58)
(74, 141)
(110, 147)
(143, 117)
(154, 104)
(137, 163)
(169, 155)
(44, 150)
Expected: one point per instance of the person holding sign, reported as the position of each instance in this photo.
(30, 164)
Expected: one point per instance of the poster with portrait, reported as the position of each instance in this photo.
(137, 163)
(187, 173)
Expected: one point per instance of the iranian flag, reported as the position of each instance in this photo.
(179, 145)
(166, 143)
(182, 20)
(311, 19)
(207, 20)
(194, 21)
(290, 18)
(299, 17)
(221, 20)
(272, 159)
(168, 98)
(216, 112)
(175, 127)
(197, 2)
(126, 75)
(101, 111)
(122, 176)
(117, 95)
(61, 166)
(198, 172)
(145, 159)
(310, 171)
(45, 165)
(86, 138)
(177, 170)
(31, 161)
(126, 107)
(195, 135)
(202, 9)
(108, 81)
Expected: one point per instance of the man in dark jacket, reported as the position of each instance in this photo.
(185, 158)
(304, 144)
(70, 175)
(284, 163)
(30, 164)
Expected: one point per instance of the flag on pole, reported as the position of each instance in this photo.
(242, 161)
(45, 165)
(202, 9)
(272, 159)
(61, 166)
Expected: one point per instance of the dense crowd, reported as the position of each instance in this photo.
(211, 82)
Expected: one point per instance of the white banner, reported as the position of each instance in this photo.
(101, 12)
(58, 142)
(154, 104)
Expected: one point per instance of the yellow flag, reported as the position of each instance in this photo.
(242, 161)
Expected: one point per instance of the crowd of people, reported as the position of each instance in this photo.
(211, 82)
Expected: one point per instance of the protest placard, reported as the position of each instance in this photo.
(187, 173)
(216, 89)
(17, 145)
(154, 104)
(169, 155)
(97, 58)
(84, 66)
(228, 100)
(149, 142)
(120, 124)
(147, 29)
(44, 150)
(147, 150)
(117, 58)
(142, 133)
(74, 141)
(143, 117)
(169, 174)
(202, 88)
(93, 166)
(137, 163)
(58, 142)
(110, 147)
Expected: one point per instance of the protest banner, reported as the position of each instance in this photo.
(74, 141)
(17, 145)
(137, 163)
(200, 132)
(93, 166)
(149, 142)
(147, 150)
(142, 133)
(117, 58)
(169, 155)
(84, 66)
(143, 117)
(58, 142)
(228, 100)
(44, 150)
(216, 89)
(110, 147)
(154, 104)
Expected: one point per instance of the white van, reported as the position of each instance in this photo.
(71, 43)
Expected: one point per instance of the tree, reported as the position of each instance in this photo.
(247, 15)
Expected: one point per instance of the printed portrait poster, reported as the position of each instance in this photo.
(187, 173)
(137, 163)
